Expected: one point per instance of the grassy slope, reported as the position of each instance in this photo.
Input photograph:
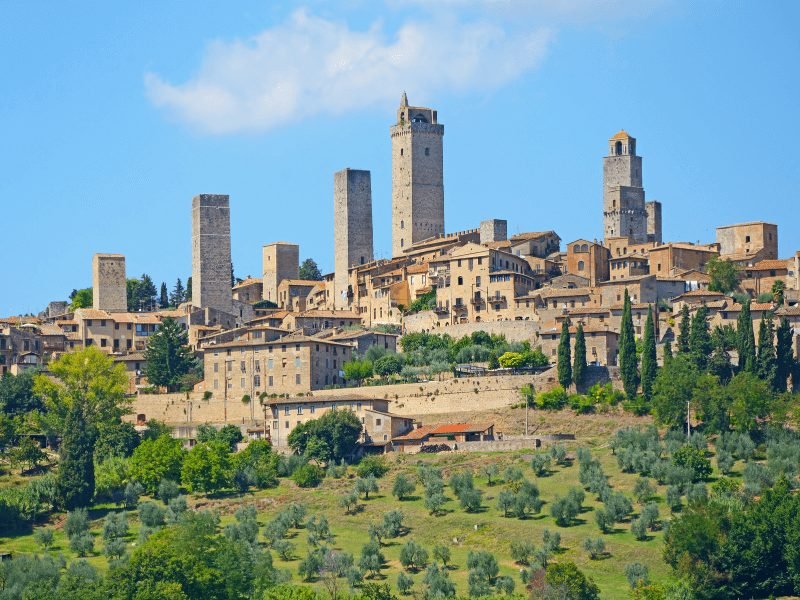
(493, 533)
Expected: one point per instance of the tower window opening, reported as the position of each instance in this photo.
(427, 151)
(401, 152)
(618, 148)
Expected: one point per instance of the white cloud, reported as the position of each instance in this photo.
(311, 66)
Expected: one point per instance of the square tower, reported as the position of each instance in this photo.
(211, 252)
(109, 288)
(352, 228)
(494, 230)
(279, 261)
(624, 212)
(653, 221)
(417, 176)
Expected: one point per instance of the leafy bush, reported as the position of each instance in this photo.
(554, 399)
(403, 487)
(374, 465)
(540, 464)
(595, 547)
(694, 459)
(308, 475)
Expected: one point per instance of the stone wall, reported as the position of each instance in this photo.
(109, 287)
(515, 331)
(280, 260)
(211, 252)
(352, 227)
(653, 221)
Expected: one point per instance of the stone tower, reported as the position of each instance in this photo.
(211, 252)
(352, 227)
(279, 261)
(653, 221)
(417, 176)
(624, 212)
(494, 230)
(109, 289)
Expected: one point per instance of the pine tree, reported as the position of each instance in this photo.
(627, 352)
(178, 293)
(766, 361)
(745, 340)
(564, 358)
(683, 333)
(579, 362)
(649, 360)
(187, 297)
(168, 355)
(164, 297)
(700, 345)
(783, 354)
(75, 483)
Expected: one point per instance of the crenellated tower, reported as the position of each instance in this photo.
(624, 211)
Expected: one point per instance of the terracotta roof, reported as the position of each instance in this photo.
(621, 135)
(761, 307)
(684, 246)
(589, 310)
(300, 282)
(132, 356)
(767, 265)
(461, 428)
(498, 245)
(331, 314)
(420, 268)
(530, 235)
(50, 329)
(288, 340)
(700, 293)
(416, 434)
(91, 313)
(248, 281)
(561, 292)
(318, 399)
(788, 311)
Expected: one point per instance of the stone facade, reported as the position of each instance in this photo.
(589, 260)
(417, 176)
(109, 288)
(653, 209)
(352, 229)
(748, 242)
(280, 260)
(624, 212)
(494, 230)
(211, 252)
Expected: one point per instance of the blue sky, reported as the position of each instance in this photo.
(113, 115)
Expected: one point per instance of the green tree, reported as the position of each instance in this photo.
(188, 295)
(720, 362)
(388, 364)
(784, 356)
(75, 482)
(649, 361)
(684, 329)
(628, 367)
(207, 468)
(178, 294)
(673, 386)
(155, 460)
(332, 437)
(724, 275)
(766, 360)
(564, 358)
(168, 355)
(27, 454)
(667, 351)
(357, 370)
(778, 289)
(403, 487)
(750, 400)
(579, 362)
(81, 298)
(163, 301)
(309, 270)
(413, 556)
(568, 581)
(700, 345)
(745, 340)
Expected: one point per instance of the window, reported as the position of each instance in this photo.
(257, 380)
(88, 322)
(299, 410)
(286, 425)
(402, 224)
(460, 280)
(102, 322)
(377, 422)
(285, 410)
(297, 379)
(312, 409)
(581, 265)
(747, 239)
(242, 367)
(478, 281)
(216, 384)
(103, 342)
(427, 151)
(269, 382)
(297, 362)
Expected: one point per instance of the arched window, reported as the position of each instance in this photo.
(402, 224)
(581, 265)
(585, 248)
(618, 148)
(576, 248)
(460, 280)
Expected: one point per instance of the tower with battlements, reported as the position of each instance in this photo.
(352, 228)
(624, 211)
(109, 286)
(417, 176)
(211, 253)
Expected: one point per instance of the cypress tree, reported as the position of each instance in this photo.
(700, 345)
(163, 301)
(766, 361)
(75, 482)
(649, 364)
(187, 297)
(667, 352)
(745, 340)
(564, 358)
(628, 367)
(720, 362)
(178, 293)
(783, 355)
(683, 333)
(579, 362)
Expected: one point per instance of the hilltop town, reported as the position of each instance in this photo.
(278, 344)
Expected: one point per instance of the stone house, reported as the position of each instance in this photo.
(601, 344)
(249, 291)
(589, 260)
(761, 276)
(668, 260)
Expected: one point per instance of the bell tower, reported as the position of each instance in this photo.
(624, 212)
(417, 176)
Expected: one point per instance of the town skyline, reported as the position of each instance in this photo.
(132, 199)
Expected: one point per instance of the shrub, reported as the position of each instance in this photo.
(308, 475)
(650, 515)
(595, 547)
(366, 485)
(151, 514)
(413, 556)
(349, 501)
(404, 583)
(563, 511)
(642, 490)
(512, 474)
(559, 454)
(374, 465)
(540, 464)
(725, 461)
(403, 487)
(673, 498)
(522, 551)
(470, 500)
(639, 529)
(44, 537)
(636, 574)
(82, 543)
(554, 399)
(77, 522)
(393, 523)
(167, 490)
(693, 459)
(617, 506)
(603, 520)
(442, 554)
(551, 540)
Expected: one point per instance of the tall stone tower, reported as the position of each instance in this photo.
(624, 212)
(352, 227)
(279, 261)
(653, 221)
(211, 252)
(417, 176)
(109, 288)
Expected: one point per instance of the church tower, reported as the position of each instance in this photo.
(417, 176)
(624, 211)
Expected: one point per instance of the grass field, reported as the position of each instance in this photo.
(462, 532)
